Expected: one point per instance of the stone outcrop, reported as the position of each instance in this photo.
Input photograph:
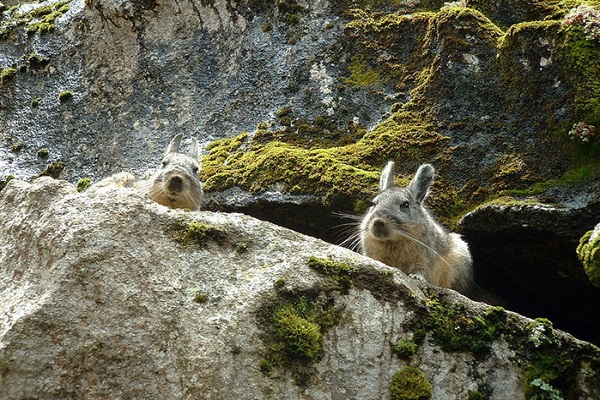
(106, 294)
(300, 103)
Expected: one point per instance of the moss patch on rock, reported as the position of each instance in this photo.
(195, 233)
(588, 252)
(410, 383)
(549, 361)
(294, 328)
(338, 273)
(439, 62)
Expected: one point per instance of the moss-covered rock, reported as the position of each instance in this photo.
(589, 254)
(410, 383)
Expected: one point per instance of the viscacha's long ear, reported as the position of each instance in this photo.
(419, 185)
(194, 151)
(173, 147)
(387, 177)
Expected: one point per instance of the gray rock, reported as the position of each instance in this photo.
(103, 296)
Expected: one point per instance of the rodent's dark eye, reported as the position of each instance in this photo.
(195, 170)
(404, 205)
(165, 163)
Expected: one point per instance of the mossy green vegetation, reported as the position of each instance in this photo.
(339, 274)
(588, 252)
(43, 152)
(65, 96)
(39, 20)
(340, 174)
(53, 170)
(405, 348)
(200, 297)
(7, 74)
(453, 329)
(4, 182)
(361, 74)
(294, 330)
(550, 362)
(195, 233)
(83, 184)
(410, 383)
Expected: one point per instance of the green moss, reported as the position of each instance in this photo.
(361, 74)
(298, 332)
(83, 184)
(37, 61)
(294, 328)
(454, 330)
(4, 182)
(53, 170)
(65, 96)
(7, 74)
(405, 348)
(340, 174)
(340, 274)
(200, 298)
(588, 252)
(410, 384)
(43, 152)
(582, 57)
(42, 19)
(476, 395)
(279, 283)
(266, 366)
(17, 147)
(196, 233)
(241, 248)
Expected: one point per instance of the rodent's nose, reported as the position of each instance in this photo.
(175, 184)
(379, 228)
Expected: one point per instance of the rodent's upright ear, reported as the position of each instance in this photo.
(194, 151)
(387, 177)
(173, 147)
(421, 182)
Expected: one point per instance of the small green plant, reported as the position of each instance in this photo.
(53, 170)
(4, 182)
(410, 384)
(299, 333)
(541, 332)
(266, 27)
(279, 283)
(544, 391)
(36, 102)
(7, 74)
(338, 273)
(43, 152)
(65, 96)
(17, 147)
(200, 298)
(241, 248)
(405, 348)
(83, 184)
(476, 395)
(196, 233)
(266, 366)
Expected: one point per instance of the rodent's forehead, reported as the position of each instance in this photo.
(393, 195)
(181, 159)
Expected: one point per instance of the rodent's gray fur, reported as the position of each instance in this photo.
(399, 231)
(175, 184)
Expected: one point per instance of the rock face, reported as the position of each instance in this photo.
(309, 99)
(108, 295)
